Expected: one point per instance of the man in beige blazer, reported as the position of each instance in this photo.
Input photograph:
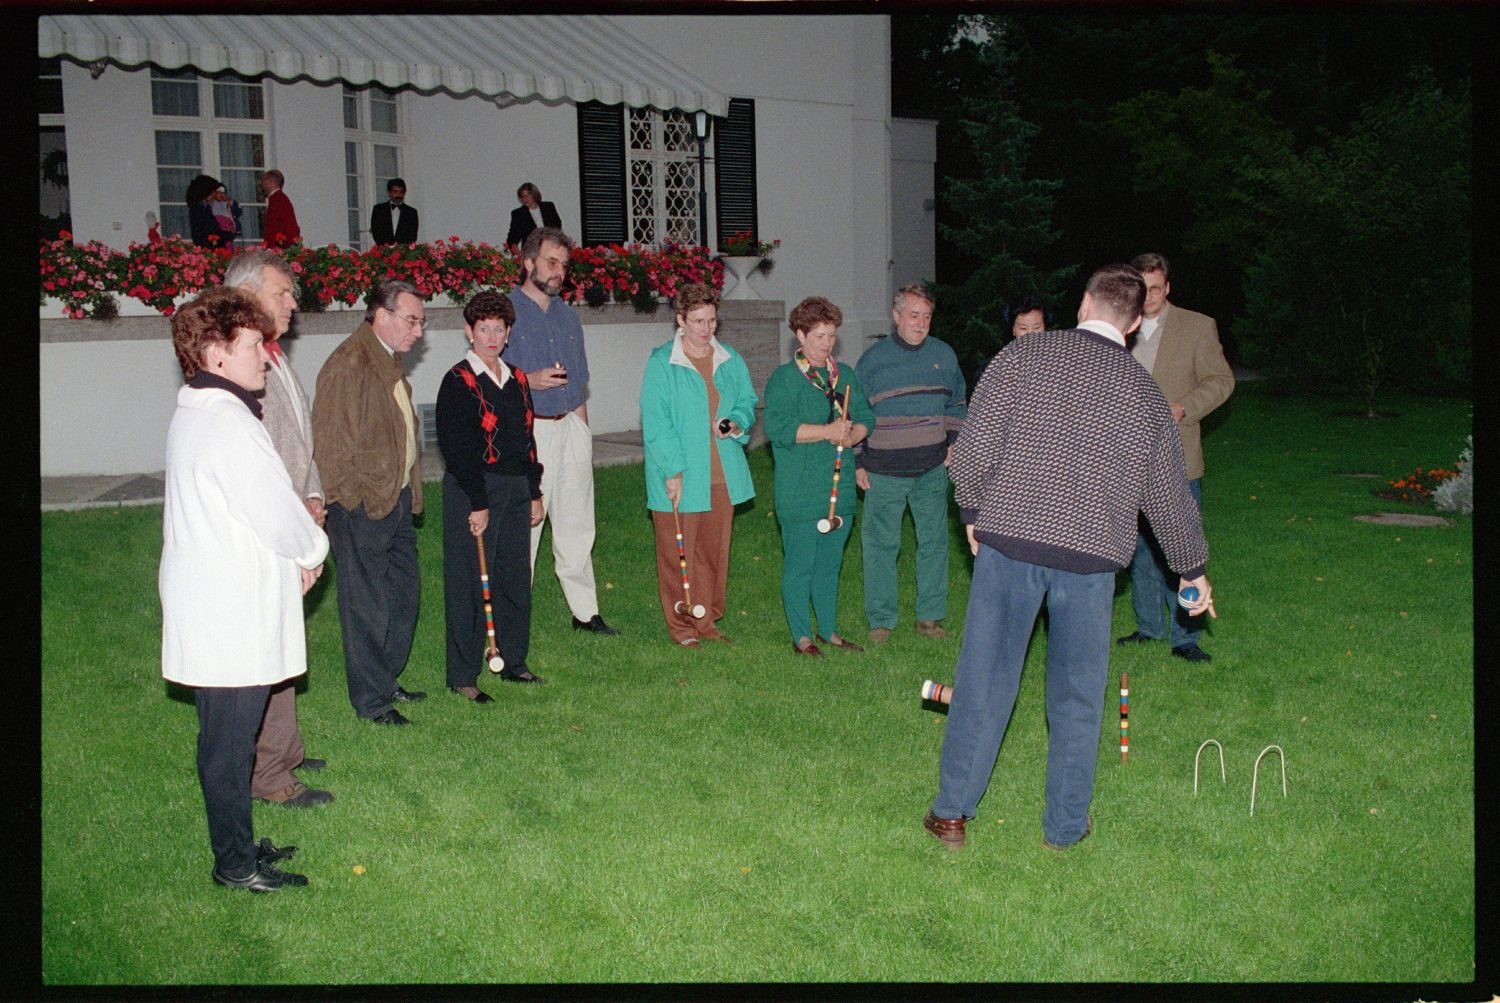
(1181, 350)
(288, 418)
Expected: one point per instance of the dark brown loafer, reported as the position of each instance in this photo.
(949, 830)
(841, 643)
(811, 649)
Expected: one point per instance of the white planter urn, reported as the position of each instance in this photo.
(741, 266)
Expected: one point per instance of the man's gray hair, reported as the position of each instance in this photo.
(917, 289)
(244, 272)
(384, 296)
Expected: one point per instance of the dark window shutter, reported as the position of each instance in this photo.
(601, 154)
(734, 175)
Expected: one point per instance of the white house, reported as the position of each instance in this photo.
(598, 111)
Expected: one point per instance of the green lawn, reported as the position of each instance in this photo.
(661, 814)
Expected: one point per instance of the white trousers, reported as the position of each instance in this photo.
(566, 449)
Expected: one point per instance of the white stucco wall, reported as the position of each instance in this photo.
(913, 225)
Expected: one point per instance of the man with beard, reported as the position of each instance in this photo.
(546, 343)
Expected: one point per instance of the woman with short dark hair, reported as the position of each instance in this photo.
(239, 550)
(492, 491)
(806, 422)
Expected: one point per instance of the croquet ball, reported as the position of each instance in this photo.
(1188, 596)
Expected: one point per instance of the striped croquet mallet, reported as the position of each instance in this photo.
(834, 521)
(937, 692)
(492, 653)
(685, 605)
(1124, 717)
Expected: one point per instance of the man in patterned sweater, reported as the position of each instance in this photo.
(917, 391)
(1066, 440)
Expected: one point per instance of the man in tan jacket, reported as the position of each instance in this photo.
(1181, 350)
(287, 416)
(365, 444)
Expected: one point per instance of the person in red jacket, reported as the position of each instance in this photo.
(279, 228)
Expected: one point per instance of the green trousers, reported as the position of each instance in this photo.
(810, 566)
(880, 541)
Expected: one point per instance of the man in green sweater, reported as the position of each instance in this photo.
(917, 391)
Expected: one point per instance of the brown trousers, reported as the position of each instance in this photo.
(278, 747)
(705, 539)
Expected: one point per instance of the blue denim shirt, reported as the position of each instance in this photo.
(541, 338)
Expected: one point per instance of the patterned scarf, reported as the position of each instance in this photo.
(829, 388)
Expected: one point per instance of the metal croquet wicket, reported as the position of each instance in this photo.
(1222, 775)
(1255, 777)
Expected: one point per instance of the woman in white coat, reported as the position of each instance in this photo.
(239, 550)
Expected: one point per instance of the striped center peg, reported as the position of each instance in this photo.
(1124, 717)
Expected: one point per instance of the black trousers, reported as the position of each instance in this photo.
(507, 552)
(380, 587)
(228, 718)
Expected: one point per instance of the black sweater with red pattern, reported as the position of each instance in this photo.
(482, 428)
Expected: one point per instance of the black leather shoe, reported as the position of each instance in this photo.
(406, 696)
(1192, 653)
(297, 795)
(1135, 638)
(312, 764)
(264, 878)
(594, 625)
(392, 716)
(480, 696)
(267, 852)
(521, 675)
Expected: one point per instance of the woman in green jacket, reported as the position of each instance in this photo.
(697, 405)
(806, 423)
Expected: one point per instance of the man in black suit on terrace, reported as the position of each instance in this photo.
(394, 222)
(530, 214)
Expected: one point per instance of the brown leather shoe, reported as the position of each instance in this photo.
(811, 649)
(841, 643)
(949, 830)
(880, 635)
(930, 628)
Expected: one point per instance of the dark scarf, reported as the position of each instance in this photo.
(205, 380)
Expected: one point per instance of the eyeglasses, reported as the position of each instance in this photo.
(418, 322)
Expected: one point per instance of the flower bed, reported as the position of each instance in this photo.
(1416, 488)
(86, 278)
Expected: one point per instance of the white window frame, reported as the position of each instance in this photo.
(370, 187)
(209, 128)
(661, 159)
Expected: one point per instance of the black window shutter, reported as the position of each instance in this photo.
(601, 154)
(734, 175)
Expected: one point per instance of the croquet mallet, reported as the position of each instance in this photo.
(833, 521)
(685, 604)
(492, 652)
(937, 693)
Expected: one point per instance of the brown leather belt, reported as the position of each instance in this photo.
(551, 417)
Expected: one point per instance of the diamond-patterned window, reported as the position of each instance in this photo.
(663, 171)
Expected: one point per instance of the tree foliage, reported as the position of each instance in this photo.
(1272, 155)
(1362, 278)
(1003, 218)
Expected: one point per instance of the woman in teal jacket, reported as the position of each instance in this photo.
(805, 423)
(697, 406)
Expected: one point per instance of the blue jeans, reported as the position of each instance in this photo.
(1003, 603)
(1153, 586)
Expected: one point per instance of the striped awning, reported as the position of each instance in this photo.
(559, 58)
